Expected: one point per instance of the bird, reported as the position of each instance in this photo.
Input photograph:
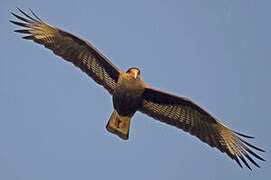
(130, 94)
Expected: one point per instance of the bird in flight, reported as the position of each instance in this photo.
(130, 94)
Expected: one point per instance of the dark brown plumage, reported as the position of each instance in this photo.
(71, 48)
(130, 94)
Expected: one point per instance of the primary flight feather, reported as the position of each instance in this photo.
(131, 94)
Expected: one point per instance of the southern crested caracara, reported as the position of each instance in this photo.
(130, 94)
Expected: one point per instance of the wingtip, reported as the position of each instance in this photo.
(13, 13)
(259, 149)
(19, 9)
(23, 31)
(243, 135)
(31, 37)
(34, 14)
(13, 22)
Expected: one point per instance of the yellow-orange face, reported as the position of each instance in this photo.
(133, 72)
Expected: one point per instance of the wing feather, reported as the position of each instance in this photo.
(185, 114)
(71, 48)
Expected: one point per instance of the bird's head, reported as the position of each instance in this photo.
(133, 72)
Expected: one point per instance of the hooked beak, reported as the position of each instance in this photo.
(135, 74)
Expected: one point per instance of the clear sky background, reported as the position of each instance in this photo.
(53, 116)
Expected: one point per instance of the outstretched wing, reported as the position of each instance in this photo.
(71, 48)
(185, 114)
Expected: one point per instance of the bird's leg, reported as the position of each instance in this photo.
(119, 125)
(117, 122)
(122, 124)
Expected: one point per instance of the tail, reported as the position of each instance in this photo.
(119, 125)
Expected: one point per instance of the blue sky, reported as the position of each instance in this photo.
(53, 116)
